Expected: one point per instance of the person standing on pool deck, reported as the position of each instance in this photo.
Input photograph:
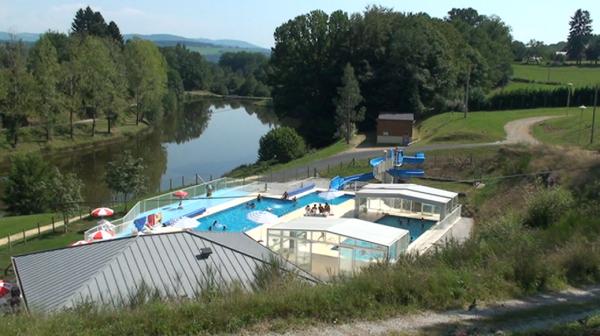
(209, 190)
(259, 198)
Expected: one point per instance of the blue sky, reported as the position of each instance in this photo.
(254, 21)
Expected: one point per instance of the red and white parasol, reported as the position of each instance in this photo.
(180, 194)
(102, 234)
(4, 288)
(102, 212)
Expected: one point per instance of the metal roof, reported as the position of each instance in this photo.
(412, 187)
(396, 116)
(402, 193)
(111, 272)
(349, 227)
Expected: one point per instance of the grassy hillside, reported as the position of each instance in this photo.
(486, 126)
(573, 130)
(578, 75)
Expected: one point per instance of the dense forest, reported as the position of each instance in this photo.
(93, 73)
(403, 63)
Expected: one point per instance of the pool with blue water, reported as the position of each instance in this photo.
(415, 226)
(235, 218)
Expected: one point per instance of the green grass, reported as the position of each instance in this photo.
(16, 224)
(315, 155)
(574, 130)
(487, 126)
(32, 139)
(579, 76)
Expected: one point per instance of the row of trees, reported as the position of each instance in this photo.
(241, 73)
(402, 62)
(86, 74)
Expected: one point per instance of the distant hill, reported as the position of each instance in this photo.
(211, 49)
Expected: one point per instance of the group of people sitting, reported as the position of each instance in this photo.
(317, 210)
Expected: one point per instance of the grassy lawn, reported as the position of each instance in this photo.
(574, 130)
(579, 76)
(16, 224)
(487, 126)
(32, 139)
(315, 155)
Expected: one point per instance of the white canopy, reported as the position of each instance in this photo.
(349, 227)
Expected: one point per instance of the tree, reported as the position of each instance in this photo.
(44, 65)
(25, 191)
(125, 176)
(281, 144)
(579, 34)
(18, 101)
(347, 102)
(114, 32)
(88, 22)
(519, 50)
(592, 52)
(64, 193)
(147, 77)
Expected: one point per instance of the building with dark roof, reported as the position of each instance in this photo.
(112, 272)
(395, 128)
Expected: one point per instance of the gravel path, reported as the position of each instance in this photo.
(422, 322)
(517, 131)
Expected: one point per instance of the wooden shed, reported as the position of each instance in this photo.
(395, 128)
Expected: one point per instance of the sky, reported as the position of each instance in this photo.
(254, 21)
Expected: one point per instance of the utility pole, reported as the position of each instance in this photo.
(467, 92)
(594, 115)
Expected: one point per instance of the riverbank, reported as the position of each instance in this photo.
(261, 101)
(31, 141)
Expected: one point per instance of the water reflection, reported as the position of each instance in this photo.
(203, 137)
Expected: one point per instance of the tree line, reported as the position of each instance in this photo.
(410, 63)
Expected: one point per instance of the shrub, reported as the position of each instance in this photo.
(25, 189)
(281, 144)
(547, 206)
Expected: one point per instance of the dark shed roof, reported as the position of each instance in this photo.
(110, 272)
(396, 116)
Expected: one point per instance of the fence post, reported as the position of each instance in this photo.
(353, 162)
(53, 224)
(24, 237)
(170, 184)
(182, 180)
(39, 232)
(80, 214)
(196, 179)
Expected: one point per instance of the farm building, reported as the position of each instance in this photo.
(395, 128)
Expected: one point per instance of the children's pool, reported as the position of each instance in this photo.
(235, 218)
(416, 227)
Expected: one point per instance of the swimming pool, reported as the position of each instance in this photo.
(416, 227)
(235, 218)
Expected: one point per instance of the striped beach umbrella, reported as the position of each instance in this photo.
(102, 212)
(4, 288)
(102, 235)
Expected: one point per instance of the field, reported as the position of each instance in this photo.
(16, 224)
(574, 130)
(478, 127)
(578, 75)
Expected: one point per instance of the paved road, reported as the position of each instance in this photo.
(517, 131)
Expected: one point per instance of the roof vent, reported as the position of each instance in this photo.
(204, 253)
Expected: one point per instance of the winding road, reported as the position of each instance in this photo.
(517, 131)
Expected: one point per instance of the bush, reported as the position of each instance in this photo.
(25, 189)
(281, 144)
(547, 206)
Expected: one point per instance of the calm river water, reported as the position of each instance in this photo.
(208, 138)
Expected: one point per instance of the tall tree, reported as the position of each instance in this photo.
(64, 192)
(44, 65)
(114, 32)
(18, 101)
(347, 104)
(88, 22)
(579, 34)
(26, 185)
(592, 52)
(125, 176)
(147, 77)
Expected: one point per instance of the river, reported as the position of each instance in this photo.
(204, 137)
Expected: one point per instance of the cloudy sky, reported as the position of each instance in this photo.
(254, 21)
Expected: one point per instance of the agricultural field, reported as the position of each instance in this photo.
(578, 75)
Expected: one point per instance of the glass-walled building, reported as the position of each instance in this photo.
(330, 246)
(405, 199)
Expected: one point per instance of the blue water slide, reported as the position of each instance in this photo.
(406, 173)
(338, 183)
(419, 158)
(376, 161)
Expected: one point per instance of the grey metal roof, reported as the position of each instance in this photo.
(396, 116)
(111, 272)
